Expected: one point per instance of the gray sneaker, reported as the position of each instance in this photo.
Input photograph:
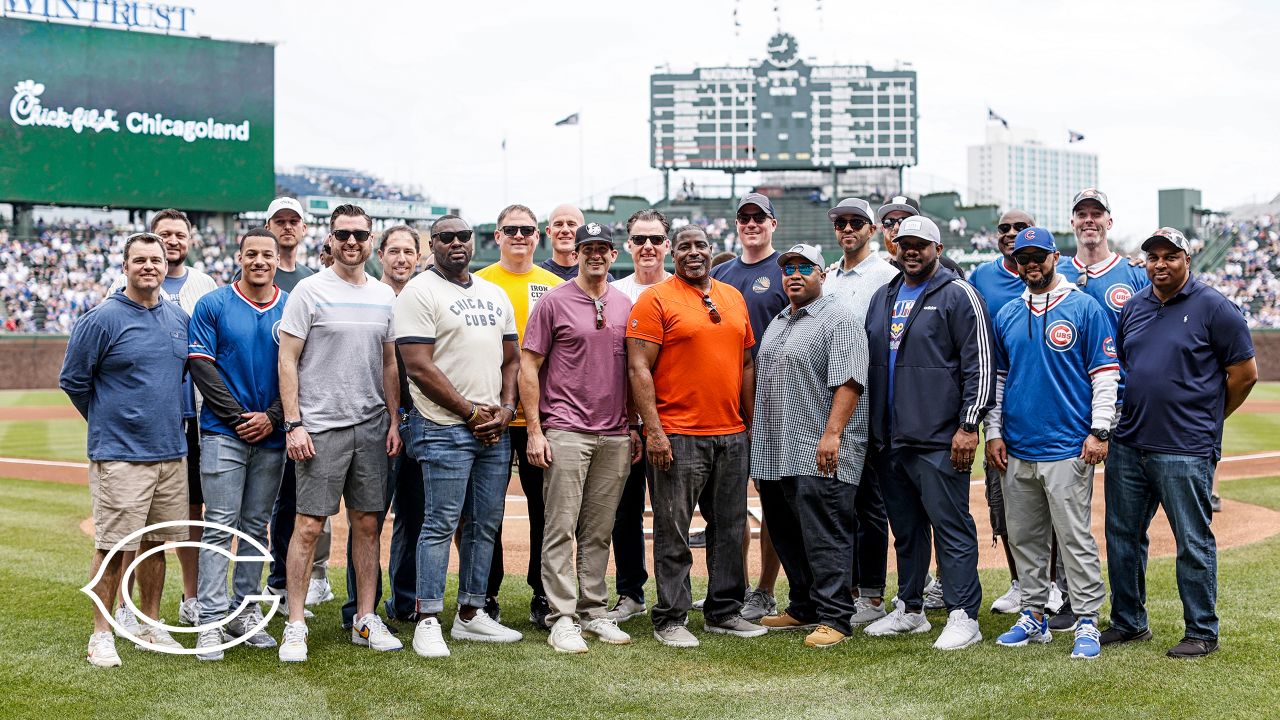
(933, 596)
(759, 604)
(245, 624)
(866, 612)
(737, 626)
(626, 609)
(677, 636)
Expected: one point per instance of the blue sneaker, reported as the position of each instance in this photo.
(1027, 630)
(1087, 645)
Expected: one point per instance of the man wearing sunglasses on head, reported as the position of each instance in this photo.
(692, 380)
(573, 385)
(1055, 404)
(524, 283)
(897, 209)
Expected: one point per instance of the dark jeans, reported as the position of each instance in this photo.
(282, 517)
(531, 484)
(709, 471)
(811, 521)
(1137, 482)
(628, 535)
(921, 489)
(870, 537)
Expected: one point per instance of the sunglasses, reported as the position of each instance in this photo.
(448, 236)
(711, 309)
(345, 235)
(791, 269)
(521, 230)
(856, 223)
(891, 222)
(1030, 258)
(654, 240)
(1006, 227)
(757, 218)
(599, 313)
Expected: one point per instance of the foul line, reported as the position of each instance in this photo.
(49, 463)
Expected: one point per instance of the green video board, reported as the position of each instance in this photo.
(97, 117)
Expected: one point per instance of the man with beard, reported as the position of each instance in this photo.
(693, 382)
(1055, 403)
(931, 381)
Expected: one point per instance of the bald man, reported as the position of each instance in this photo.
(562, 225)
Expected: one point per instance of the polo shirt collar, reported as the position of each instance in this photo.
(860, 269)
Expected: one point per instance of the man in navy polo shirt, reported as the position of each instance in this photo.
(1190, 363)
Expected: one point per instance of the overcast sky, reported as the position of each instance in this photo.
(1168, 94)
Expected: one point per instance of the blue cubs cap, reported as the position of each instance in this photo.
(1035, 237)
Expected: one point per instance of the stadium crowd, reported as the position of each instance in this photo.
(1250, 274)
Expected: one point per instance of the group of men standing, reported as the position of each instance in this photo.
(852, 396)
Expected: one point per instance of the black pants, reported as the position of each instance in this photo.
(628, 535)
(870, 537)
(282, 517)
(921, 489)
(531, 483)
(811, 521)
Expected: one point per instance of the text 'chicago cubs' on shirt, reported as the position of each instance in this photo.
(1049, 347)
(902, 307)
(242, 339)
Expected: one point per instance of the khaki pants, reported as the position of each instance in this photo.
(581, 490)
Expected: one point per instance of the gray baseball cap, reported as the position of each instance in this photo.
(919, 226)
(1093, 194)
(852, 206)
(899, 203)
(759, 201)
(809, 253)
(1169, 235)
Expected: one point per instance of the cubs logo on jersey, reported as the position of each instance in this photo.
(1109, 346)
(1061, 335)
(1117, 295)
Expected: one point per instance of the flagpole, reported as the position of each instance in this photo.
(505, 195)
(580, 162)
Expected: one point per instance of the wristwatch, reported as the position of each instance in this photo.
(289, 425)
(511, 408)
(969, 427)
(1101, 434)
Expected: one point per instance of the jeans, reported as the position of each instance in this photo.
(405, 529)
(239, 482)
(461, 478)
(628, 534)
(871, 536)
(709, 471)
(1137, 482)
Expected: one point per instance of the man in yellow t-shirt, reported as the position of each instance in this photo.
(523, 282)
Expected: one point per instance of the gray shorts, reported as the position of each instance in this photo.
(349, 463)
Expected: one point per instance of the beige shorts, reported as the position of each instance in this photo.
(128, 496)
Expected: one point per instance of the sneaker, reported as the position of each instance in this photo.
(284, 602)
(483, 628)
(1065, 620)
(210, 638)
(566, 637)
(245, 624)
(737, 626)
(1087, 645)
(698, 539)
(1009, 602)
(1027, 630)
(1193, 648)
(1215, 503)
(677, 636)
(126, 618)
(156, 636)
(824, 637)
(961, 632)
(189, 612)
(697, 604)
(538, 611)
(933, 596)
(1112, 636)
(369, 631)
(1056, 599)
(899, 622)
(866, 612)
(625, 609)
(928, 581)
(428, 640)
(293, 647)
(493, 609)
(785, 621)
(606, 631)
(319, 591)
(102, 650)
(759, 603)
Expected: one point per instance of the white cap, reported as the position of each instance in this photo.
(285, 203)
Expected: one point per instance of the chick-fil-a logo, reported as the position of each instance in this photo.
(25, 109)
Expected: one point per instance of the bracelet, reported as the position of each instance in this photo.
(475, 412)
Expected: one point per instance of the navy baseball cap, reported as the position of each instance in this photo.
(1035, 237)
(758, 200)
(593, 232)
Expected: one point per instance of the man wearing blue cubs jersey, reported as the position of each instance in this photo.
(1055, 402)
(233, 356)
(1104, 275)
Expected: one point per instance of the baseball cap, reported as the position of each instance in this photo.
(851, 206)
(918, 226)
(1169, 235)
(900, 203)
(593, 232)
(808, 253)
(285, 203)
(759, 200)
(1093, 194)
(1035, 237)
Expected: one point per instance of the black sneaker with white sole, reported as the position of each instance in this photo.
(1114, 636)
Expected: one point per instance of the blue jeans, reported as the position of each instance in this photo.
(1137, 482)
(239, 482)
(462, 479)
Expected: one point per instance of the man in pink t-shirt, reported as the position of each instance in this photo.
(578, 432)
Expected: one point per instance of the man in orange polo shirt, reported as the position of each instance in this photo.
(692, 381)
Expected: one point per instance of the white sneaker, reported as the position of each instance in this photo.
(697, 604)
(625, 609)
(933, 598)
(899, 622)
(1054, 606)
(125, 617)
(208, 639)
(482, 628)
(606, 631)
(428, 641)
(866, 612)
(293, 647)
(102, 650)
(566, 637)
(156, 636)
(369, 631)
(961, 632)
(246, 623)
(189, 612)
(677, 636)
(1010, 602)
(319, 591)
